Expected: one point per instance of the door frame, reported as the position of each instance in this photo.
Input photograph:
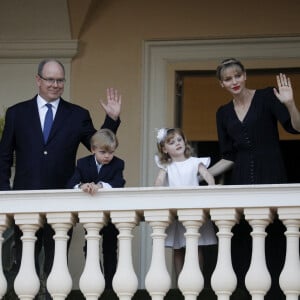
(161, 60)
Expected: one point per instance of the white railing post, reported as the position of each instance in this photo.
(27, 282)
(92, 282)
(190, 280)
(258, 218)
(125, 281)
(289, 279)
(59, 282)
(223, 280)
(158, 280)
(4, 223)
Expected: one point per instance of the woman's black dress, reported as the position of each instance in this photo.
(253, 146)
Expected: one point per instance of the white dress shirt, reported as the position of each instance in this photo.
(43, 108)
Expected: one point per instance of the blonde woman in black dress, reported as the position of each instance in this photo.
(249, 145)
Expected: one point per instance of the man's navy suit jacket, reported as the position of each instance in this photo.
(41, 165)
(86, 171)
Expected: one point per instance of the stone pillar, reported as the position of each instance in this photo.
(158, 280)
(289, 279)
(59, 282)
(258, 218)
(125, 281)
(27, 282)
(191, 281)
(223, 280)
(92, 282)
(4, 223)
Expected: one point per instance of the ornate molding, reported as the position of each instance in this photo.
(36, 49)
(255, 48)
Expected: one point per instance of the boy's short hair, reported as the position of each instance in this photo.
(104, 139)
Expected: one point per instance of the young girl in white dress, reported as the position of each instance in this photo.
(177, 167)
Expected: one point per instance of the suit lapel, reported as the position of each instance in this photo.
(103, 172)
(34, 119)
(93, 168)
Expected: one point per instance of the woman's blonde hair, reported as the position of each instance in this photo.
(104, 139)
(164, 135)
(229, 63)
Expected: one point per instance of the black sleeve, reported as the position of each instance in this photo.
(111, 124)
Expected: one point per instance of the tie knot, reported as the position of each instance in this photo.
(49, 105)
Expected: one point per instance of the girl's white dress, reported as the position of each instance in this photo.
(185, 173)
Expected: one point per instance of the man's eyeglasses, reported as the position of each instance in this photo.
(51, 81)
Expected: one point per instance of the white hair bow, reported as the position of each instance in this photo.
(161, 134)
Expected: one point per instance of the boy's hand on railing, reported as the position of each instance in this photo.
(90, 187)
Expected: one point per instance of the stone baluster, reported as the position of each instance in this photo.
(223, 280)
(258, 218)
(27, 282)
(59, 282)
(92, 281)
(191, 281)
(158, 280)
(4, 223)
(289, 279)
(125, 281)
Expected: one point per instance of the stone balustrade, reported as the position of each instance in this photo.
(128, 208)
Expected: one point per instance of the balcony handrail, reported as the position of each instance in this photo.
(149, 198)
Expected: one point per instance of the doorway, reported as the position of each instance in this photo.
(198, 96)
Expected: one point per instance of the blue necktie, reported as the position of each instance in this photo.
(48, 122)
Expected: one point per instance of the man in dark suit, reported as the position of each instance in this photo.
(102, 170)
(47, 163)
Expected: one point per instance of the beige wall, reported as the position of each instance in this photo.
(110, 35)
(29, 33)
(111, 48)
(34, 19)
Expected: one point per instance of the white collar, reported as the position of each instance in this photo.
(97, 164)
(42, 102)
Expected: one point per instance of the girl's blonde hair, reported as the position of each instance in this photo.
(104, 139)
(164, 135)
